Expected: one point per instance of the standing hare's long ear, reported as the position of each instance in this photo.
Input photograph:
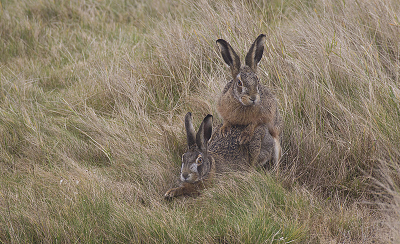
(190, 133)
(255, 52)
(230, 57)
(204, 133)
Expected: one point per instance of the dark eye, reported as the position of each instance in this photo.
(199, 161)
(239, 83)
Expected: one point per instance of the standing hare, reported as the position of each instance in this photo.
(205, 158)
(244, 100)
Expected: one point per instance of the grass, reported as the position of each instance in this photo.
(92, 100)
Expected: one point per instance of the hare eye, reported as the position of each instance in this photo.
(199, 160)
(239, 83)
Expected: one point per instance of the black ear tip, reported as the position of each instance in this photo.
(208, 118)
(221, 42)
(188, 119)
(261, 37)
(189, 114)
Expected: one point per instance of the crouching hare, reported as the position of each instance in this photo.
(244, 100)
(208, 155)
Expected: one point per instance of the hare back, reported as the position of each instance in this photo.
(226, 150)
(230, 155)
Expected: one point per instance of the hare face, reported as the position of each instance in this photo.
(193, 167)
(246, 87)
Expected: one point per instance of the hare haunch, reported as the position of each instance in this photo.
(244, 100)
(207, 158)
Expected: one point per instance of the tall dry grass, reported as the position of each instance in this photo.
(338, 68)
(93, 95)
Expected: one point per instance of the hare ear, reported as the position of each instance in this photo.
(255, 52)
(204, 133)
(190, 133)
(230, 57)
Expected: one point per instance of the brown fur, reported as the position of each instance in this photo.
(244, 101)
(234, 113)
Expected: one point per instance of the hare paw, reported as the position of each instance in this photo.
(171, 193)
(225, 129)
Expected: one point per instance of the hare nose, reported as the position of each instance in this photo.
(253, 98)
(185, 175)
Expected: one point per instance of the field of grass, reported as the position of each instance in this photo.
(92, 99)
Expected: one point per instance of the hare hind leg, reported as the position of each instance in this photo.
(275, 133)
(277, 152)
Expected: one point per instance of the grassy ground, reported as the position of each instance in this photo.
(92, 100)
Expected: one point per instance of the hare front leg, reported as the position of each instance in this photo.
(174, 192)
(255, 150)
(184, 189)
(225, 128)
(261, 147)
(247, 134)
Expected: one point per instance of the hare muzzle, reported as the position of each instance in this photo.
(247, 100)
(188, 177)
(189, 173)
